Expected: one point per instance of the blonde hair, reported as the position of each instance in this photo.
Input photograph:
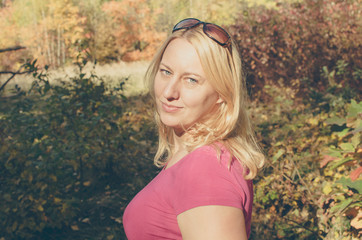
(230, 124)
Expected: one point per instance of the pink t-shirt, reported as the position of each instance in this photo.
(198, 179)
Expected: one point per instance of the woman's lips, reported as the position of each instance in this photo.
(170, 108)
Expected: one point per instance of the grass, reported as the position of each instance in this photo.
(112, 74)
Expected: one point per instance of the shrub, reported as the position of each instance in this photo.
(341, 202)
(292, 43)
(311, 186)
(62, 147)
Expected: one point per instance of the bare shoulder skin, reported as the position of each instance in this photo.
(212, 222)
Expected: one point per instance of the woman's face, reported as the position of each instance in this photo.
(183, 94)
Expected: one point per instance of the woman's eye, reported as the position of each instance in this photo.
(192, 80)
(165, 72)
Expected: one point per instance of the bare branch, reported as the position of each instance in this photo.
(13, 74)
(12, 49)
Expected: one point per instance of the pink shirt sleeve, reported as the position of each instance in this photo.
(206, 180)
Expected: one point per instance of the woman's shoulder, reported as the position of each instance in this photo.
(209, 176)
(213, 155)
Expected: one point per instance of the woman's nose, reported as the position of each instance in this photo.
(172, 90)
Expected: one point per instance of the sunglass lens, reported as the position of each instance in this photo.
(187, 23)
(217, 33)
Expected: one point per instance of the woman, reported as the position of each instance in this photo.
(206, 145)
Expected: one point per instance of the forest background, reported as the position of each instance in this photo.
(76, 130)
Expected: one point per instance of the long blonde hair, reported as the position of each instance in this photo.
(230, 124)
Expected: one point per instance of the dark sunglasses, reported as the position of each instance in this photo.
(213, 31)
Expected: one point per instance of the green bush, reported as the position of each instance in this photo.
(310, 188)
(62, 147)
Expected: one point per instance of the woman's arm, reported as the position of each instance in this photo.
(212, 222)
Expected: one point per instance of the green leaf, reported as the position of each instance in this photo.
(341, 162)
(355, 109)
(278, 155)
(357, 185)
(347, 147)
(343, 133)
(334, 153)
(341, 206)
(356, 140)
(336, 120)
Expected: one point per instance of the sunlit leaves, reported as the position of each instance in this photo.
(345, 156)
(292, 193)
(133, 29)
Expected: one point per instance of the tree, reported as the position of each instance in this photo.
(50, 30)
(133, 28)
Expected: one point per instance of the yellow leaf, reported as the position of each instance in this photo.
(313, 121)
(57, 200)
(64, 207)
(30, 178)
(317, 180)
(87, 183)
(15, 225)
(328, 172)
(53, 177)
(74, 228)
(40, 208)
(118, 220)
(327, 189)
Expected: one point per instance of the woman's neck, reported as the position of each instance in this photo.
(179, 149)
(179, 142)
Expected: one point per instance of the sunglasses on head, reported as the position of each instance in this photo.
(213, 31)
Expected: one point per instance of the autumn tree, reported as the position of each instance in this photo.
(133, 29)
(221, 12)
(99, 41)
(50, 30)
(9, 37)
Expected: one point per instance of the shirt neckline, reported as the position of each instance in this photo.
(164, 169)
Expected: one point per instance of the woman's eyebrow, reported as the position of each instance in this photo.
(185, 73)
(194, 74)
(164, 65)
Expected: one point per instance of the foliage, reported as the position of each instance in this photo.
(98, 43)
(74, 153)
(55, 31)
(69, 151)
(9, 59)
(343, 191)
(52, 31)
(64, 149)
(299, 196)
(291, 44)
(133, 29)
(221, 12)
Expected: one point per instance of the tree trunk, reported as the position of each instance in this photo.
(46, 36)
(59, 46)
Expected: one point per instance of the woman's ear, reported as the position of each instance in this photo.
(220, 100)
